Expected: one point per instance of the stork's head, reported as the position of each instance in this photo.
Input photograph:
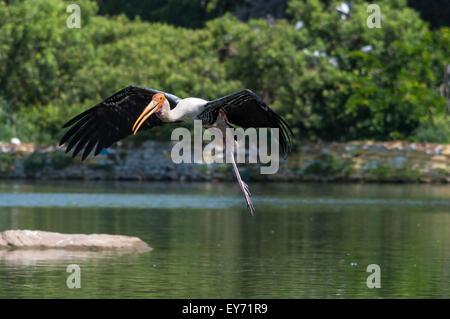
(153, 107)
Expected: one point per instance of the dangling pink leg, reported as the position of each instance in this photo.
(230, 152)
(242, 184)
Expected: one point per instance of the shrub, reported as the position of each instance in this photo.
(107, 167)
(34, 162)
(400, 173)
(59, 160)
(329, 165)
(437, 131)
(7, 162)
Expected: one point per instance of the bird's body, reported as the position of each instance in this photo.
(134, 108)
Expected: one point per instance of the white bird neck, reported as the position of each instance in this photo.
(186, 110)
(165, 113)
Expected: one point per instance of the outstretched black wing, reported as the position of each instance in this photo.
(111, 120)
(246, 109)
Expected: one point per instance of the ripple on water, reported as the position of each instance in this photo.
(186, 201)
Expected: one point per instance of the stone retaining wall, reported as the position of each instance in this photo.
(353, 162)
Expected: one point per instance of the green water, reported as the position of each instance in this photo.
(305, 241)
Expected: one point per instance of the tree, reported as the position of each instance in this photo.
(330, 76)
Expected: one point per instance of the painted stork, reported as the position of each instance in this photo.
(131, 109)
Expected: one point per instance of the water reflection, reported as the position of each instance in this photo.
(30, 257)
(192, 201)
(318, 245)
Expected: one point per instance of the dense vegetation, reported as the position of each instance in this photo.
(332, 78)
(195, 13)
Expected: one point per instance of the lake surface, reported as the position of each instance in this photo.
(305, 240)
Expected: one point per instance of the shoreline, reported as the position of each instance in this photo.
(351, 162)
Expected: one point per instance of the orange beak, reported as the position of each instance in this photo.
(150, 109)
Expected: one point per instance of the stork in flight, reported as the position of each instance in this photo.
(131, 109)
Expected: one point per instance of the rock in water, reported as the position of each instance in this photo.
(36, 239)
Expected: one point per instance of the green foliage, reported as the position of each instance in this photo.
(59, 160)
(437, 131)
(407, 173)
(101, 167)
(7, 162)
(443, 171)
(381, 94)
(35, 162)
(5, 128)
(317, 77)
(329, 165)
(380, 171)
(404, 173)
